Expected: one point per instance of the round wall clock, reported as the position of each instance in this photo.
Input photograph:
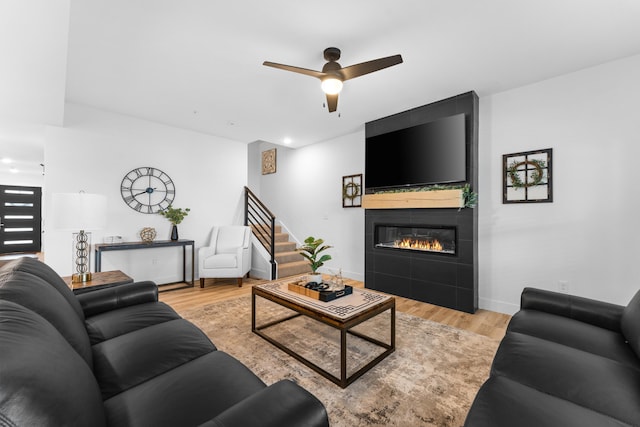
(147, 190)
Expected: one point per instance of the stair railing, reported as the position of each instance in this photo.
(263, 223)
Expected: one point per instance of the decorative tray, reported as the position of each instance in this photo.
(325, 296)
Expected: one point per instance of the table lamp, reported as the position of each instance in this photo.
(80, 211)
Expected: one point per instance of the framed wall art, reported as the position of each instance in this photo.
(527, 177)
(352, 191)
(269, 161)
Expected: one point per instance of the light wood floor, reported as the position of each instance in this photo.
(483, 322)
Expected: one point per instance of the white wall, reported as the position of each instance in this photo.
(33, 42)
(587, 236)
(96, 149)
(306, 195)
(27, 180)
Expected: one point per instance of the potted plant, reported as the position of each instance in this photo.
(175, 217)
(311, 251)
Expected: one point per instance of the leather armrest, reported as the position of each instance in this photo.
(116, 297)
(598, 313)
(282, 404)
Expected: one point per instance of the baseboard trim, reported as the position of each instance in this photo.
(345, 274)
(498, 306)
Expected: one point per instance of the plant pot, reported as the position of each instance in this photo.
(315, 277)
(174, 232)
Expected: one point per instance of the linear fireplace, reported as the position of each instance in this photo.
(426, 238)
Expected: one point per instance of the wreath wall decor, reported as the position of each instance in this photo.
(352, 191)
(527, 177)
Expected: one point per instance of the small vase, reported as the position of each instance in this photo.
(174, 232)
(314, 277)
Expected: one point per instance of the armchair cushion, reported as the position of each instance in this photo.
(221, 261)
(230, 239)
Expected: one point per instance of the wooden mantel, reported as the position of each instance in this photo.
(414, 199)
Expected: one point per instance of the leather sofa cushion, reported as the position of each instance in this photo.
(215, 382)
(503, 402)
(46, 273)
(295, 407)
(221, 261)
(39, 296)
(130, 359)
(574, 333)
(44, 380)
(111, 324)
(583, 378)
(630, 323)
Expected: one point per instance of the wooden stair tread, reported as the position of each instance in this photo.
(284, 246)
(293, 268)
(291, 256)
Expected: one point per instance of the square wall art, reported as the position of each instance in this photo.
(527, 177)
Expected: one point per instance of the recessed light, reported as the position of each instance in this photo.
(287, 141)
(13, 170)
(6, 160)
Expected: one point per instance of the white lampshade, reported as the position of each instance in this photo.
(331, 86)
(79, 211)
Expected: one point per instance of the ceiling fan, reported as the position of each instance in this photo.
(333, 74)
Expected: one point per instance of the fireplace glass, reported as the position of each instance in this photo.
(437, 239)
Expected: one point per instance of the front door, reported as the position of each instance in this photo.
(20, 219)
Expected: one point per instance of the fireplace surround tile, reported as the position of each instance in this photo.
(436, 272)
(442, 279)
(436, 293)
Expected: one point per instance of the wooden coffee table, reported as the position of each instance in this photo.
(343, 314)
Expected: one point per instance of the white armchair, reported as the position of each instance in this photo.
(228, 255)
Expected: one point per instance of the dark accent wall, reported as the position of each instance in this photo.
(443, 280)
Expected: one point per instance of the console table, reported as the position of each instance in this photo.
(125, 246)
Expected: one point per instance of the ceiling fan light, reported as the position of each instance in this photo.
(331, 86)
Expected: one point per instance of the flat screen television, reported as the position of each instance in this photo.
(426, 154)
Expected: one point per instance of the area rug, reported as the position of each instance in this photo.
(430, 380)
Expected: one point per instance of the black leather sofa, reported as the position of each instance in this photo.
(118, 357)
(565, 361)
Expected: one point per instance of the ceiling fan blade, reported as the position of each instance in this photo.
(332, 102)
(299, 70)
(363, 68)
